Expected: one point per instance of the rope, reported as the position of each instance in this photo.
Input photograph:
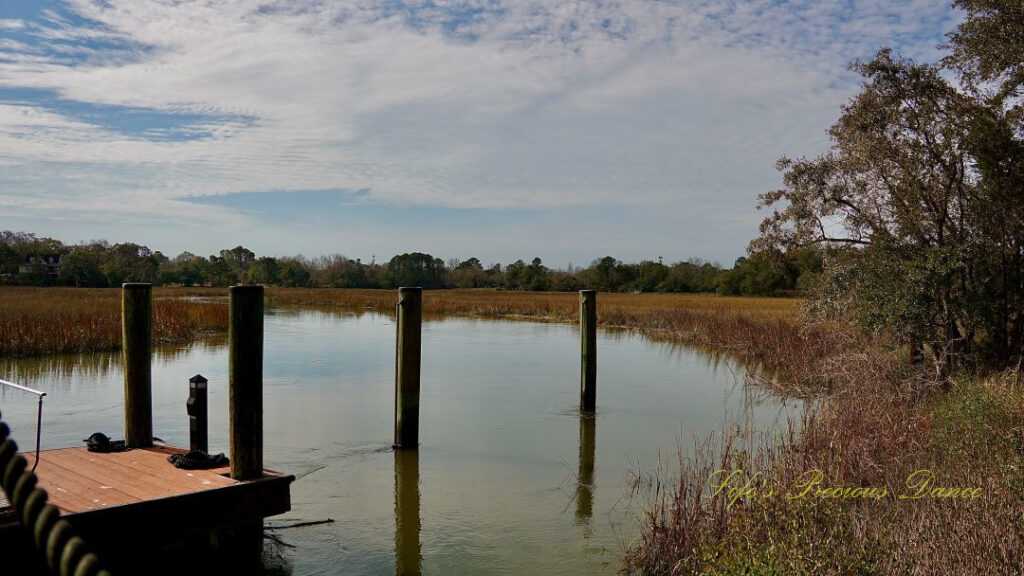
(66, 553)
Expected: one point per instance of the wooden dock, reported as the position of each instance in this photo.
(126, 502)
(134, 509)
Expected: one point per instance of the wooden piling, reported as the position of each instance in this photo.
(245, 380)
(136, 350)
(407, 368)
(588, 350)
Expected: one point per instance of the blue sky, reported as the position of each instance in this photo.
(500, 130)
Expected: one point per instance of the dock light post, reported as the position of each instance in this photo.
(198, 414)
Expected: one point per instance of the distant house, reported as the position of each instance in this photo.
(49, 263)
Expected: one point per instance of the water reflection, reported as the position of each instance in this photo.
(59, 368)
(585, 475)
(499, 494)
(715, 359)
(408, 556)
(58, 371)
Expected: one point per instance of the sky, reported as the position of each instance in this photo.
(463, 128)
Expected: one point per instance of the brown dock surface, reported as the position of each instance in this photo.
(137, 499)
(80, 481)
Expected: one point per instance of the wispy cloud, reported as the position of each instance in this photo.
(467, 104)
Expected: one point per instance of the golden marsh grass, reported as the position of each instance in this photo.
(766, 331)
(56, 320)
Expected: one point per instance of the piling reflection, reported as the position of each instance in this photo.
(585, 474)
(408, 556)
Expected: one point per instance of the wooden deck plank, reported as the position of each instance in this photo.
(140, 484)
(75, 485)
(70, 492)
(151, 466)
(80, 481)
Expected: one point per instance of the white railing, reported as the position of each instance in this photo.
(39, 415)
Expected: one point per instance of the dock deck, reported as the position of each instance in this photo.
(137, 499)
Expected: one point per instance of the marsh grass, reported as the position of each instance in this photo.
(50, 320)
(767, 332)
(879, 424)
(37, 321)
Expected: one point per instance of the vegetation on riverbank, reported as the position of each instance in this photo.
(54, 320)
(881, 422)
(49, 320)
(920, 468)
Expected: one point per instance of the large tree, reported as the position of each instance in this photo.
(917, 203)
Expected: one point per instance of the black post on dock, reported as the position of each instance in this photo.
(198, 414)
(407, 368)
(588, 350)
(136, 350)
(245, 380)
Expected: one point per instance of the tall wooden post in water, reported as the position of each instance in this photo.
(407, 368)
(136, 350)
(245, 380)
(588, 350)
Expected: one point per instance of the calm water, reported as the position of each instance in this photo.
(509, 478)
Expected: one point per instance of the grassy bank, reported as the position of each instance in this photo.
(880, 426)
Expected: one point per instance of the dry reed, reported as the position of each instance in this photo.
(765, 331)
(880, 423)
(53, 320)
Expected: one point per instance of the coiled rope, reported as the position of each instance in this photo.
(66, 553)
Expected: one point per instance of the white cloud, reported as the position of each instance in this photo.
(11, 24)
(462, 103)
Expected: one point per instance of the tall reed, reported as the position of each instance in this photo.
(766, 331)
(53, 320)
(880, 422)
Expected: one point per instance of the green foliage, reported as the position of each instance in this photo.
(988, 46)
(99, 264)
(415, 269)
(129, 262)
(917, 207)
(470, 273)
(186, 269)
(81, 267)
(970, 423)
(522, 276)
(294, 273)
(771, 273)
(265, 270)
(757, 276)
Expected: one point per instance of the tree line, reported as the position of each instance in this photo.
(101, 264)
